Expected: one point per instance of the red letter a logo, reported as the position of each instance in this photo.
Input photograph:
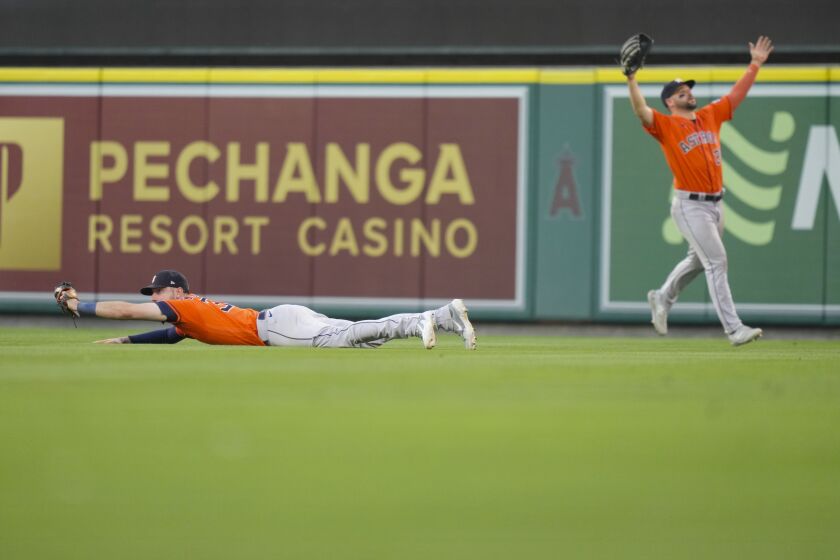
(566, 191)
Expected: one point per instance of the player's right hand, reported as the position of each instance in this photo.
(118, 340)
(761, 50)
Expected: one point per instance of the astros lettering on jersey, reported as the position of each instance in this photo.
(692, 147)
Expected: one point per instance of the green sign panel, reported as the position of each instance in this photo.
(781, 166)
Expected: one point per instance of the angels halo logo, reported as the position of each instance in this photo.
(31, 187)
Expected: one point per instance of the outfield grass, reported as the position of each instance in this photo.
(527, 448)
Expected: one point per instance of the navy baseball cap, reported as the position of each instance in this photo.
(166, 279)
(673, 86)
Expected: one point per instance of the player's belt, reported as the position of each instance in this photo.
(704, 197)
(262, 325)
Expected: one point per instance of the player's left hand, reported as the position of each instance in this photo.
(67, 299)
(118, 340)
(761, 50)
(633, 53)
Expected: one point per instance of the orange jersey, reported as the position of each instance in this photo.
(692, 148)
(212, 322)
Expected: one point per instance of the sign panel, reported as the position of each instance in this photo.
(364, 195)
(780, 163)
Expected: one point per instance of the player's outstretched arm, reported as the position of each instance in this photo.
(759, 52)
(637, 101)
(118, 310)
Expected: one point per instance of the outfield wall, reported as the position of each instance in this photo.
(533, 193)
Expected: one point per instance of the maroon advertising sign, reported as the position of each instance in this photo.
(371, 194)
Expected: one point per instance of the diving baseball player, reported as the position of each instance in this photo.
(690, 139)
(213, 322)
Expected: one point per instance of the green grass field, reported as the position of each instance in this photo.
(527, 448)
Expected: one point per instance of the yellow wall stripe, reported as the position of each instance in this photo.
(262, 76)
(371, 76)
(482, 75)
(156, 75)
(568, 76)
(583, 75)
(50, 74)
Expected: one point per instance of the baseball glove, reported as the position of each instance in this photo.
(63, 293)
(633, 53)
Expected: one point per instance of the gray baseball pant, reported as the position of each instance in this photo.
(296, 325)
(701, 224)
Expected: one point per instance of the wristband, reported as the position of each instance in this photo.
(87, 308)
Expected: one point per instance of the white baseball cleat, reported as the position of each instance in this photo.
(744, 335)
(458, 312)
(658, 312)
(427, 330)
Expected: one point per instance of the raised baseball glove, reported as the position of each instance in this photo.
(633, 53)
(63, 293)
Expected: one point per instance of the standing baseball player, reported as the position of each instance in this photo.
(690, 140)
(213, 322)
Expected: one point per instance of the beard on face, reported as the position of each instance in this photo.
(686, 104)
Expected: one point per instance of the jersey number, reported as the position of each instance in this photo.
(223, 307)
